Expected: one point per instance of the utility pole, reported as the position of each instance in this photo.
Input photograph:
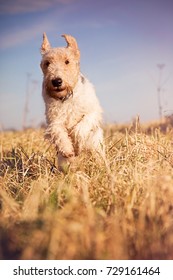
(160, 89)
(25, 111)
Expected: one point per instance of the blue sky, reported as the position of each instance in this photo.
(121, 43)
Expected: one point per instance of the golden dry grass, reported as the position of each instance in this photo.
(120, 211)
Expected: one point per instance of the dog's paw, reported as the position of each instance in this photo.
(68, 154)
(65, 163)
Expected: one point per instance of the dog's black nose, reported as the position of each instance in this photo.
(57, 82)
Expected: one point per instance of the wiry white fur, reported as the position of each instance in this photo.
(73, 122)
(74, 125)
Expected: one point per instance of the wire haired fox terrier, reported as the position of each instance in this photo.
(73, 112)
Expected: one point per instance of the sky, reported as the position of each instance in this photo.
(122, 42)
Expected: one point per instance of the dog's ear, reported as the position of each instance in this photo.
(71, 43)
(45, 45)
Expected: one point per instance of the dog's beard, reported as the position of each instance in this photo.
(60, 93)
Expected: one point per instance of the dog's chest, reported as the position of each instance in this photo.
(73, 116)
(67, 113)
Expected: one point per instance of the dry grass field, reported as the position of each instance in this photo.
(119, 210)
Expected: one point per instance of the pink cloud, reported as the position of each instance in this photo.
(20, 6)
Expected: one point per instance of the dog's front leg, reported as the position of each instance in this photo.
(58, 135)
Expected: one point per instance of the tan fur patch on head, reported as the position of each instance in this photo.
(60, 67)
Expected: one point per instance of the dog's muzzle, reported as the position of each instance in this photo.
(59, 91)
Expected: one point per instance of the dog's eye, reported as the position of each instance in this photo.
(67, 61)
(47, 63)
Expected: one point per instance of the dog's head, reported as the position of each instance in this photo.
(60, 67)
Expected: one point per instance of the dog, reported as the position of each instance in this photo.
(72, 110)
